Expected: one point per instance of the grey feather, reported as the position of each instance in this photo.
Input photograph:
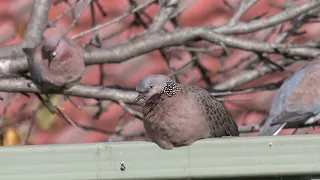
(294, 103)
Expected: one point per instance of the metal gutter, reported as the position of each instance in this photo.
(271, 156)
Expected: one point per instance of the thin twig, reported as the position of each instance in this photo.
(129, 110)
(33, 120)
(100, 26)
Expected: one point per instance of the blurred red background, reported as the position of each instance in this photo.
(14, 17)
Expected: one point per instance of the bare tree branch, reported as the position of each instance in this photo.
(245, 5)
(249, 75)
(129, 110)
(98, 92)
(100, 26)
(167, 8)
(37, 24)
(117, 54)
(181, 36)
(256, 25)
(12, 58)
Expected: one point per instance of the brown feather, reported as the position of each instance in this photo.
(188, 114)
(219, 119)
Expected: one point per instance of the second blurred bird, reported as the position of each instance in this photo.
(55, 63)
(297, 101)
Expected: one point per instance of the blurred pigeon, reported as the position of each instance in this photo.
(297, 101)
(179, 114)
(56, 63)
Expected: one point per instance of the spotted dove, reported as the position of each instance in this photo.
(297, 102)
(55, 63)
(179, 114)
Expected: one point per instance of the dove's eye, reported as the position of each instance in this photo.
(53, 54)
(151, 86)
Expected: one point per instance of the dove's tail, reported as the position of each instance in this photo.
(34, 68)
(267, 129)
(29, 52)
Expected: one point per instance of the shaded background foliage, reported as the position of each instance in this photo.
(212, 66)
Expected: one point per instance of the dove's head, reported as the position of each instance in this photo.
(151, 85)
(50, 44)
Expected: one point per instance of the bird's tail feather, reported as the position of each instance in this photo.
(34, 68)
(268, 130)
(29, 52)
(282, 126)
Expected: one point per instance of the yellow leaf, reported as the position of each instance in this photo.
(21, 28)
(44, 116)
(11, 137)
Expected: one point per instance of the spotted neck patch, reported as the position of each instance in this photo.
(171, 88)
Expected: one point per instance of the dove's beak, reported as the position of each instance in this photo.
(140, 96)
